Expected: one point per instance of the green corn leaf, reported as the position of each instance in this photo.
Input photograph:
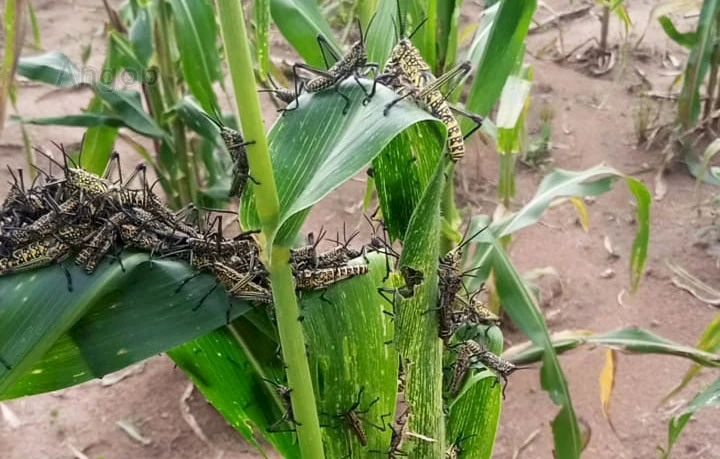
(35, 26)
(642, 235)
(475, 413)
(448, 12)
(402, 172)
(710, 397)
(13, 39)
(53, 68)
(124, 55)
(688, 40)
(196, 119)
(379, 39)
(226, 374)
(520, 306)
(710, 342)
(261, 16)
(346, 330)
(675, 427)
(453, 36)
(559, 183)
(635, 340)
(426, 37)
(417, 327)
(99, 141)
(590, 182)
(300, 22)
(527, 352)
(642, 341)
(121, 314)
(315, 148)
(504, 44)
(140, 35)
(698, 64)
(196, 34)
(482, 34)
(127, 105)
(512, 106)
(79, 120)
(349, 337)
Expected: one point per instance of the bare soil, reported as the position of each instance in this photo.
(594, 122)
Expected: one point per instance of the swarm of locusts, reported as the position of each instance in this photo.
(85, 217)
(82, 216)
(408, 75)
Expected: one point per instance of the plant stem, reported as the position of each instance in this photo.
(417, 323)
(449, 236)
(13, 44)
(712, 80)
(604, 26)
(235, 38)
(506, 184)
(186, 185)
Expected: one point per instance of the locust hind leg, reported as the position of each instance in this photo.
(205, 297)
(5, 363)
(477, 119)
(68, 276)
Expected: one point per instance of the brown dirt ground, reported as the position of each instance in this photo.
(594, 122)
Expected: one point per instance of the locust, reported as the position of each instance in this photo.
(352, 418)
(283, 94)
(44, 226)
(468, 351)
(235, 145)
(78, 180)
(503, 368)
(146, 205)
(284, 393)
(450, 283)
(20, 205)
(344, 67)
(341, 254)
(399, 431)
(318, 279)
(472, 352)
(425, 89)
(34, 255)
(240, 285)
(476, 312)
(407, 73)
(101, 243)
(306, 257)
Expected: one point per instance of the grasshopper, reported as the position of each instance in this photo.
(345, 67)
(284, 393)
(468, 351)
(407, 73)
(318, 279)
(352, 418)
(503, 368)
(425, 89)
(283, 94)
(44, 226)
(34, 255)
(101, 243)
(235, 145)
